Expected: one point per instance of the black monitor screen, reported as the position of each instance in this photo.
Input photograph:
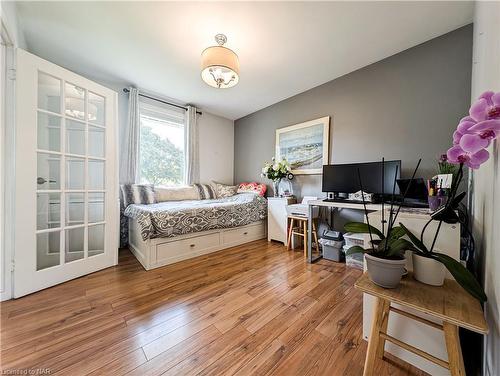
(344, 177)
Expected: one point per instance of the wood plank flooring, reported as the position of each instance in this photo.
(255, 309)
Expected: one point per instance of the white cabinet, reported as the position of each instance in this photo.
(277, 218)
(419, 335)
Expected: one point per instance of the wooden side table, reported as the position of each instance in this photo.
(449, 303)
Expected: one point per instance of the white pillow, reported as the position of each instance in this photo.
(176, 193)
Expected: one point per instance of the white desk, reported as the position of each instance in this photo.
(337, 205)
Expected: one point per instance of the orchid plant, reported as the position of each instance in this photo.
(472, 137)
(276, 171)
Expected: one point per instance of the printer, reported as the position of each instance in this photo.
(300, 210)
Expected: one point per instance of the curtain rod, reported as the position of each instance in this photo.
(126, 90)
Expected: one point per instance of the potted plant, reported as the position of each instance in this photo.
(472, 137)
(429, 267)
(385, 258)
(275, 171)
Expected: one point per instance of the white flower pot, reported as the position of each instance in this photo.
(385, 273)
(428, 270)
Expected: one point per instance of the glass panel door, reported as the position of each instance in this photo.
(64, 113)
(70, 178)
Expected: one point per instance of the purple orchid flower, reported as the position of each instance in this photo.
(487, 107)
(474, 133)
(458, 155)
(463, 128)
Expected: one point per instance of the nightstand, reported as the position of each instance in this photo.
(277, 218)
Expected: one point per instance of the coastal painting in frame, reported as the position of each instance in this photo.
(304, 145)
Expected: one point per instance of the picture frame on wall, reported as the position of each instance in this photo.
(305, 145)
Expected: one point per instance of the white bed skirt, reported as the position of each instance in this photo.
(153, 253)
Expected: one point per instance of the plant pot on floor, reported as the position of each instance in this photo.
(384, 272)
(427, 270)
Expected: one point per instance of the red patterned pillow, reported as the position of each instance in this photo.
(253, 187)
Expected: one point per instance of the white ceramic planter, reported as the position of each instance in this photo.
(428, 270)
(385, 273)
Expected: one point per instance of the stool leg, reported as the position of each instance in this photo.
(315, 234)
(455, 358)
(304, 225)
(374, 339)
(383, 328)
(289, 242)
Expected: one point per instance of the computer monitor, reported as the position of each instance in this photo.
(343, 178)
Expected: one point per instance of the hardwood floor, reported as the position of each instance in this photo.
(253, 309)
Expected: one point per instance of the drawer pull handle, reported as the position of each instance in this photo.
(245, 233)
(191, 245)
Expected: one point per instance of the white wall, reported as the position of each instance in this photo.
(486, 181)
(216, 149)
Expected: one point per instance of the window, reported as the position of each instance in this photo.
(161, 149)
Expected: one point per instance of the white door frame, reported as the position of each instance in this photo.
(7, 121)
(27, 278)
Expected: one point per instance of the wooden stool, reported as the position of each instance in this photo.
(449, 303)
(302, 227)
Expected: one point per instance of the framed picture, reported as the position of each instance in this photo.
(305, 145)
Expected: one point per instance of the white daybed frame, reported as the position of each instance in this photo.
(153, 253)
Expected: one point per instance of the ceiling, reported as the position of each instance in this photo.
(284, 48)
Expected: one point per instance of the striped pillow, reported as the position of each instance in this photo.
(205, 191)
(137, 194)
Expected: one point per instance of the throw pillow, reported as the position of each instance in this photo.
(137, 194)
(257, 188)
(175, 193)
(205, 191)
(224, 190)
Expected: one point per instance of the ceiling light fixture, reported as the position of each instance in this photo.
(220, 67)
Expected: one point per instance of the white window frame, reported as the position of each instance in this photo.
(168, 114)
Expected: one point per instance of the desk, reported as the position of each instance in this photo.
(336, 205)
(449, 303)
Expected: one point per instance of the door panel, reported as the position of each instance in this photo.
(66, 182)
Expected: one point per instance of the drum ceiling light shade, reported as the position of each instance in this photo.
(220, 67)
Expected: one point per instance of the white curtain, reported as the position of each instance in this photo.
(191, 147)
(129, 154)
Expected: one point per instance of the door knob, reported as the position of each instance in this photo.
(40, 181)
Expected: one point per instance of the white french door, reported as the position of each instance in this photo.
(66, 216)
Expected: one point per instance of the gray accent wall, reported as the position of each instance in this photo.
(403, 107)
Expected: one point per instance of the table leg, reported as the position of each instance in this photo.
(374, 340)
(455, 358)
(383, 328)
(309, 229)
(304, 228)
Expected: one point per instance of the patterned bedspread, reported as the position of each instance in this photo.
(172, 218)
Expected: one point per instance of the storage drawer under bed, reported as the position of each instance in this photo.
(194, 245)
(239, 234)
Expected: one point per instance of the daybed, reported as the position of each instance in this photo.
(167, 232)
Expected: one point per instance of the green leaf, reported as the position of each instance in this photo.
(355, 249)
(397, 232)
(397, 246)
(362, 228)
(462, 276)
(381, 245)
(414, 239)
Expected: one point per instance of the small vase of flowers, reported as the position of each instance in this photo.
(276, 171)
